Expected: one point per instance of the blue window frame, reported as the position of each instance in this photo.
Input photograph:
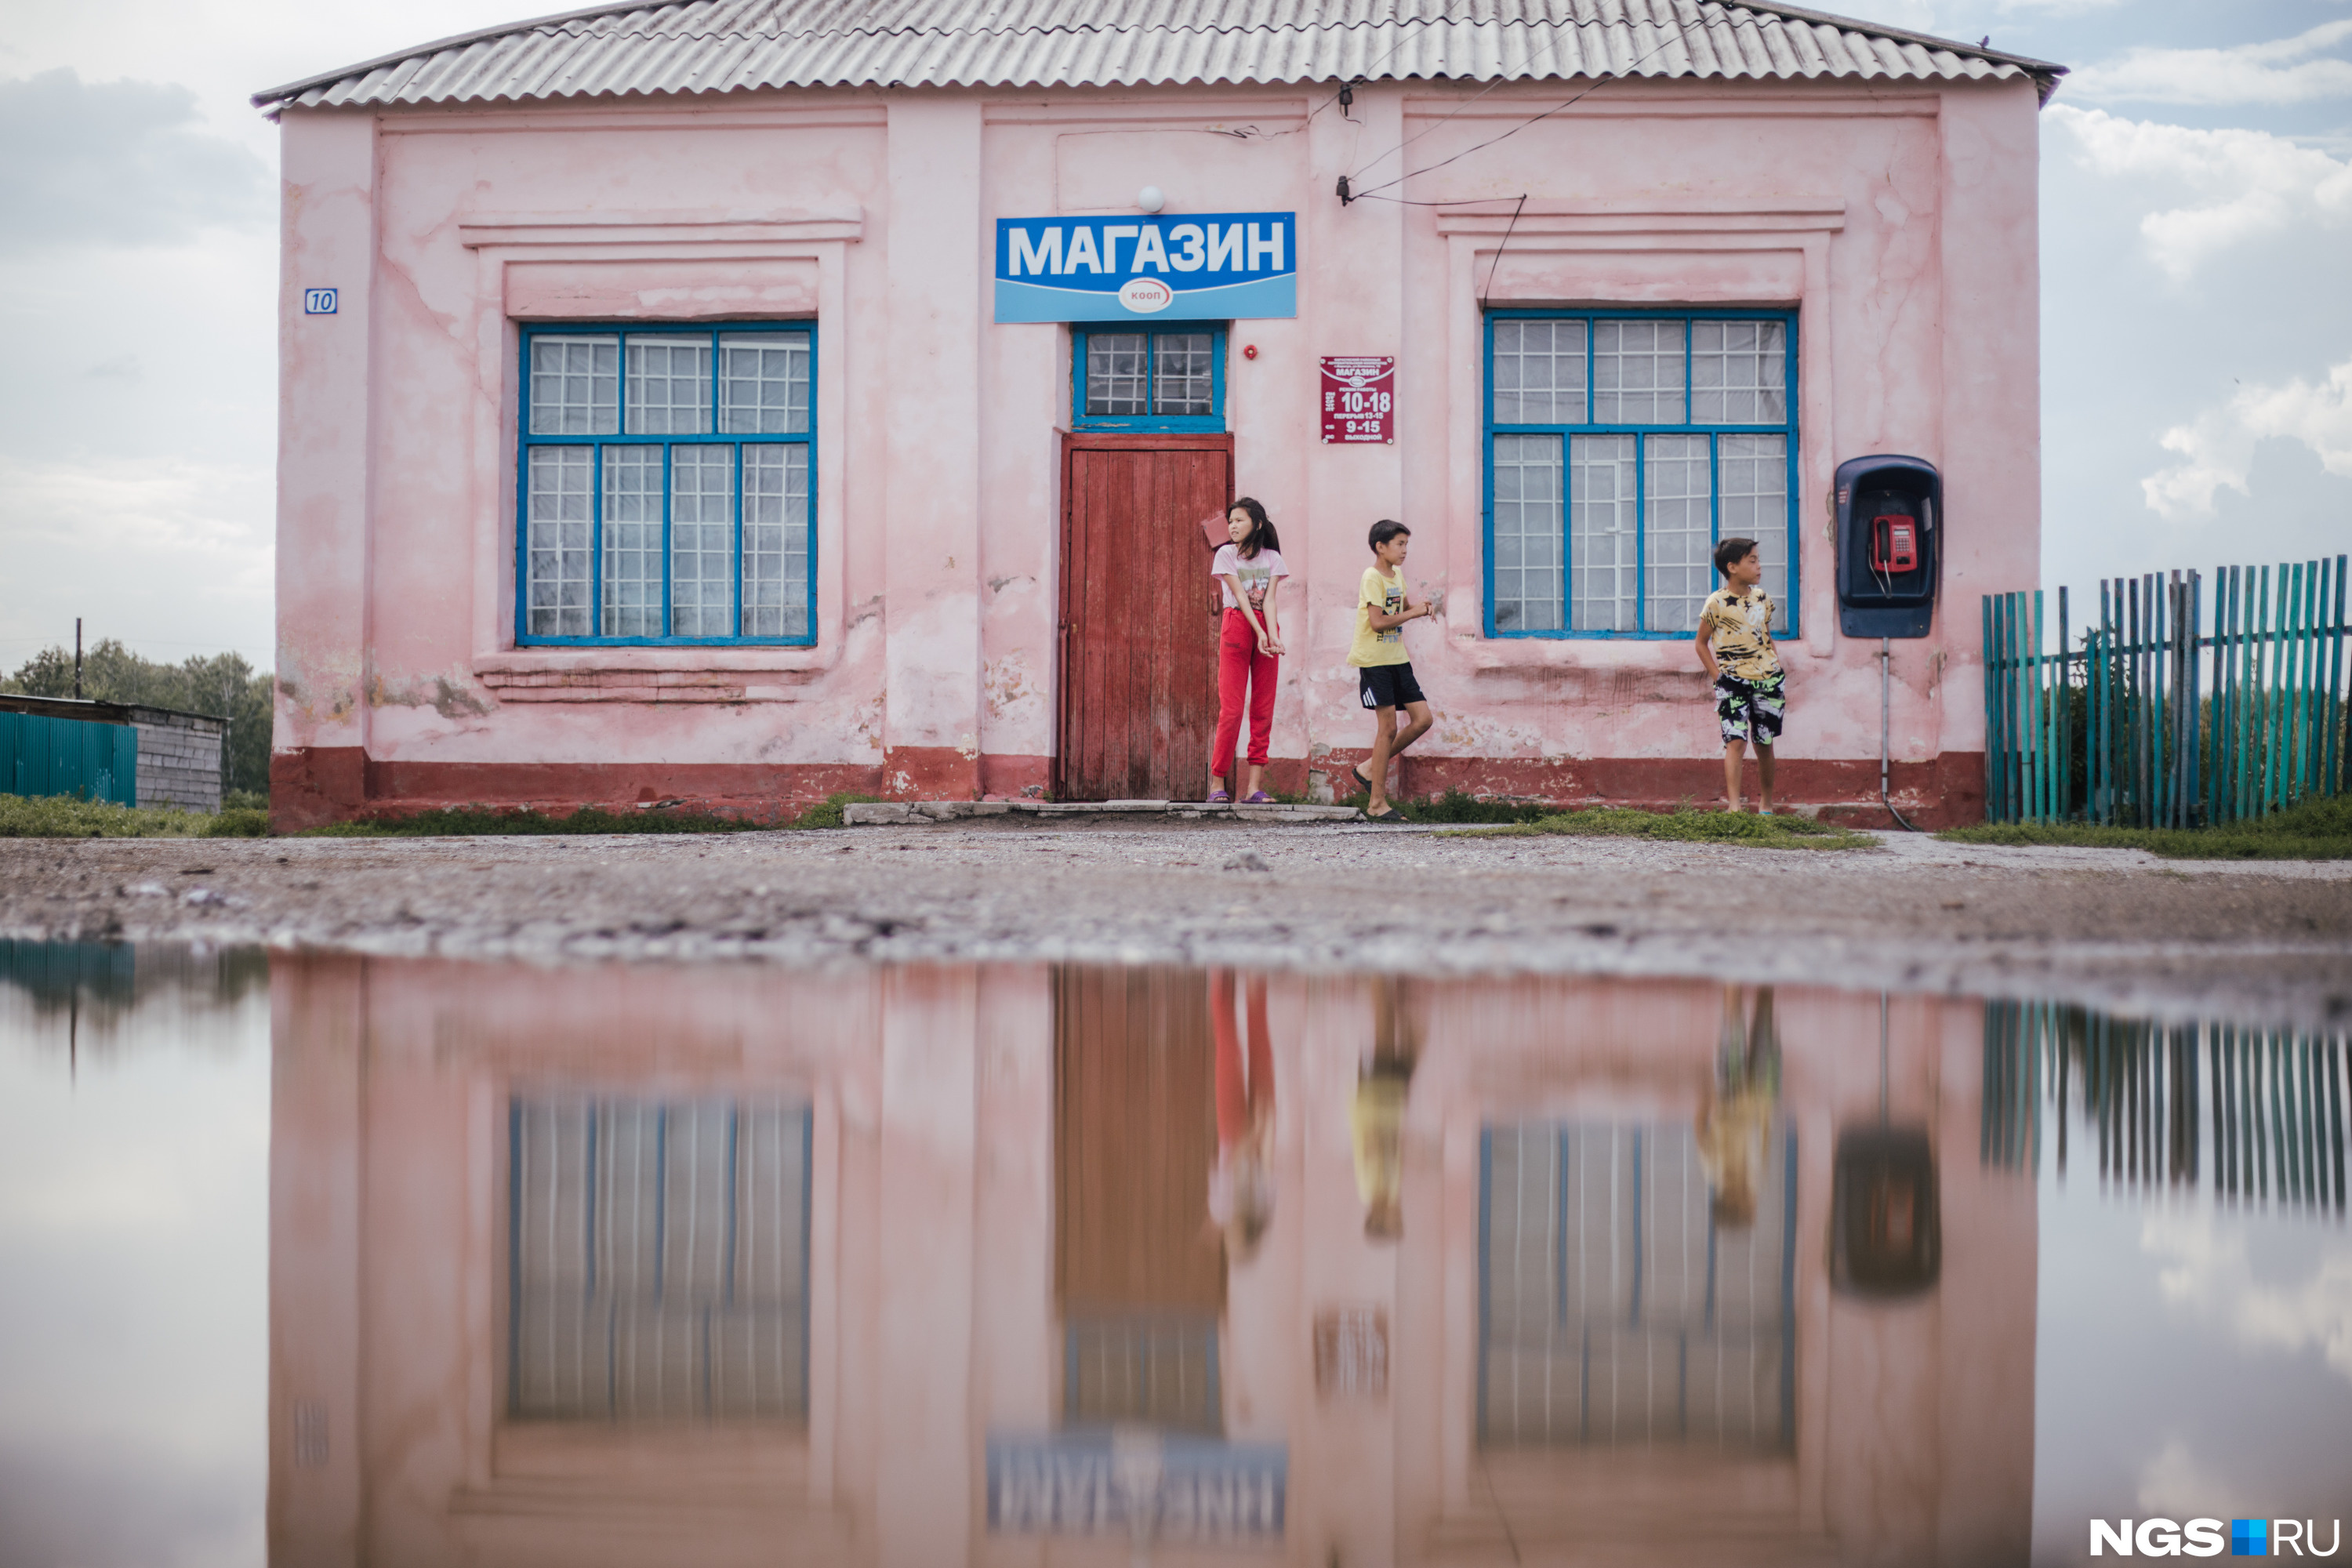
(1169, 378)
(1619, 447)
(665, 488)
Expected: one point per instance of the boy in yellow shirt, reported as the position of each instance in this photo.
(1735, 644)
(1385, 678)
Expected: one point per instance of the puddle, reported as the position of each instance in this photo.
(325, 1259)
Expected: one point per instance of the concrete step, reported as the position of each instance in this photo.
(915, 813)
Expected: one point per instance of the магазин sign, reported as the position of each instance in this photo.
(1205, 266)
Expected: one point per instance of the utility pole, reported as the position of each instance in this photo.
(77, 658)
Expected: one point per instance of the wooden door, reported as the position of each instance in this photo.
(1138, 678)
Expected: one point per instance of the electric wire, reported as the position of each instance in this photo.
(1522, 125)
(1551, 46)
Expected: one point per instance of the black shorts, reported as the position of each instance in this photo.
(1388, 686)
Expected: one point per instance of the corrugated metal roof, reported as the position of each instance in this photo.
(722, 46)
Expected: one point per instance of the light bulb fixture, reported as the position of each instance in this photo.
(1151, 198)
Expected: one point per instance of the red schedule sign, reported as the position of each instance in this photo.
(1358, 398)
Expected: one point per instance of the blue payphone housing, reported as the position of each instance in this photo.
(1890, 535)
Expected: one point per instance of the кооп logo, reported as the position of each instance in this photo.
(1146, 295)
(2204, 1537)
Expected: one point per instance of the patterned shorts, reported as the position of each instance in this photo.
(1749, 710)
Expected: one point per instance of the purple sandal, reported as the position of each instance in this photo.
(1259, 798)
(1218, 797)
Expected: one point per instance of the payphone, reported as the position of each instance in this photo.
(1890, 515)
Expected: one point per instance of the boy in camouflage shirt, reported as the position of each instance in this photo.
(1735, 644)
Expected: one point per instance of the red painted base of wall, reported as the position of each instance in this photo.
(1948, 792)
(334, 784)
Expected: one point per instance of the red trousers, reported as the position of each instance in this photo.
(1240, 666)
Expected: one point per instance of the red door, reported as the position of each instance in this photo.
(1139, 679)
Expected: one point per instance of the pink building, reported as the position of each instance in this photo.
(608, 1266)
(743, 402)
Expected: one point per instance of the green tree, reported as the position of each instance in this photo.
(222, 684)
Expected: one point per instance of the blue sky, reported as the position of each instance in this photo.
(2197, 369)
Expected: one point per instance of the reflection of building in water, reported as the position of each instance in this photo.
(918, 1268)
(658, 1260)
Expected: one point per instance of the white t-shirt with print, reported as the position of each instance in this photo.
(1257, 575)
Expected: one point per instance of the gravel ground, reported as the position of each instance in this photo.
(2114, 928)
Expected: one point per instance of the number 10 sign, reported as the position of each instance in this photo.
(1358, 398)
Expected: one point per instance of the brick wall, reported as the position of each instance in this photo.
(179, 760)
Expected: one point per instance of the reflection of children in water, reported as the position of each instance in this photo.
(1735, 1120)
(1241, 1183)
(1377, 1117)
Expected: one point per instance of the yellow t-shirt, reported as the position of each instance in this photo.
(1385, 594)
(1739, 629)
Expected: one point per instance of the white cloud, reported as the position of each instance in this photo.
(129, 508)
(2206, 1269)
(2239, 184)
(116, 163)
(2281, 70)
(2217, 448)
(2177, 1485)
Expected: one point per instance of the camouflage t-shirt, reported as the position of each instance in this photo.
(1739, 629)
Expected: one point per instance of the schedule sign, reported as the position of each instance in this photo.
(1358, 398)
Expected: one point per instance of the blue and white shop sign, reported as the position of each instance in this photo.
(1179, 266)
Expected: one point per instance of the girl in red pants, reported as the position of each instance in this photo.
(1249, 649)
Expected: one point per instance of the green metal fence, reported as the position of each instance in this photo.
(40, 756)
(2250, 1115)
(2179, 707)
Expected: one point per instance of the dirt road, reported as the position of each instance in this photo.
(2119, 929)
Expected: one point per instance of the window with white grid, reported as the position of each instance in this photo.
(775, 541)
(632, 542)
(1739, 373)
(1651, 438)
(1117, 371)
(668, 485)
(659, 1260)
(1677, 496)
(1539, 373)
(1171, 380)
(556, 539)
(1602, 530)
(763, 381)
(574, 385)
(1526, 533)
(1752, 501)
(1617, 1310)
(1637, 372)
(669, 386)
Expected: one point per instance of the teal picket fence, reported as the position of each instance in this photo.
(40, 755)
(2184, 704)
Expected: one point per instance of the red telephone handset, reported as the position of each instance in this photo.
(1894, 543)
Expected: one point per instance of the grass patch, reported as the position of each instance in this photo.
(472, 821)
(70, 817)
(1684, 826)
(2315, 830)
